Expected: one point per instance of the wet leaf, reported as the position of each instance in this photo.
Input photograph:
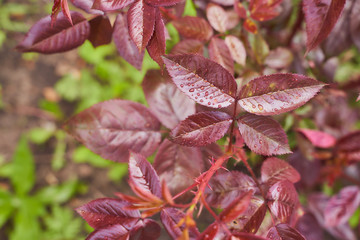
(201, 129)
(320, 18)
(203, 80)
(124, 44)
(166, 101)
(142, 177)
(102, 212)
(220, 53)
(141, 20)
(284, 232)
(217, 17)
(263, 135)
(114, 127)
(193, 27)
(274, 170)
(278, 93)
(60, 37)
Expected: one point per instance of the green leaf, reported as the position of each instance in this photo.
(52, 107)
(40, 135)
(259, 47)
(58, 160)
(190, 8)
(68, 87)
(174, 37)
(84, 155)
(118, 171)
(6, 207)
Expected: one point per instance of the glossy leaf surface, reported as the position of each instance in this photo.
(263, 135)
(217, 17)
(114, 127)
(274, 170)
(284, 232)
(60, 37)
(193, 27)
(178, 165)
(141, 21)
(203, 80)
(124, 44)
(228, 186)
(283, 200)
(142, 177)
(111, 5)
(237, 49)
(220, 53)
(320, 17)
(108, 211)
(237, 207)
(166, 101)
(201, 129)
(110, 232)
(278, 93)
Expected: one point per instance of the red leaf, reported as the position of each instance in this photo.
(114, 127)
(124, 44)
(147, 229)
(246, 236)
(156, 47)
(223, 2)
(342, 206)
(279, 58)
(283, 200)
(201, 129)
(318, 138)
(86, 5)
(348, 146)
(240, 9)
(320, 17)
(355, 25)
(274, 170)
(263, 135)
(220, 53)
(217, 17)
(203, 80)
(60, 37)
(225, 187)
(212, 232)
(166, 101)
(308, 226)
(237, 207)
(111, 5)
(251, 219)
(100, 31)
(102, 212)
(142, 177)
(111, 232)
(188, 46)
(162, 3)
(141, 20)
(250, 26)
(65, 10)
(193, 27)
(278, 93)
(170, 218)
(264, 10)
(284, 232)
(237, 49)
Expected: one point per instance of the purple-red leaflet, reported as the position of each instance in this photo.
(108, 211)
(147, 229)
(237, 49)
(228, 186)
(86, 5)
(220, 53)
(100, 31)
(342, 206)
(309, 227)
(201, 129)
(114, 127)
(246, 236)
(111, 232)
(263, 135)
(349, 142)
(162, 3)
(284, 232)
(156, 47)
(165, 100)
(320, 18)
(141, 21)
(274, 170)
(188, 46)
(264, 10)
(251, 219)
(177, 165)
(237, 207)
(124, 44)
(63, 4)
(318, 138)
(217, 17)
(111, 5)
(277, 93)
(60, 37)
(283, 200)
(193, 27)
(204, 81)
(170, 218)
(142, 177)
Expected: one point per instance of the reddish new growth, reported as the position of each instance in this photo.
(213, 120)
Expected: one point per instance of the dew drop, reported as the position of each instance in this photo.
(261, 141)
(278, 189)
(198, 94)
(253, 106)
(255, 146)
(211, 97)
(191, 90)
(196, 97)
(181, 85)
(260, 107)
(219, 106)
(201, 100)
(206, 93)
(202, 88)
(189, 84)
(209, 103)
(193, 84)
(272, 97)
